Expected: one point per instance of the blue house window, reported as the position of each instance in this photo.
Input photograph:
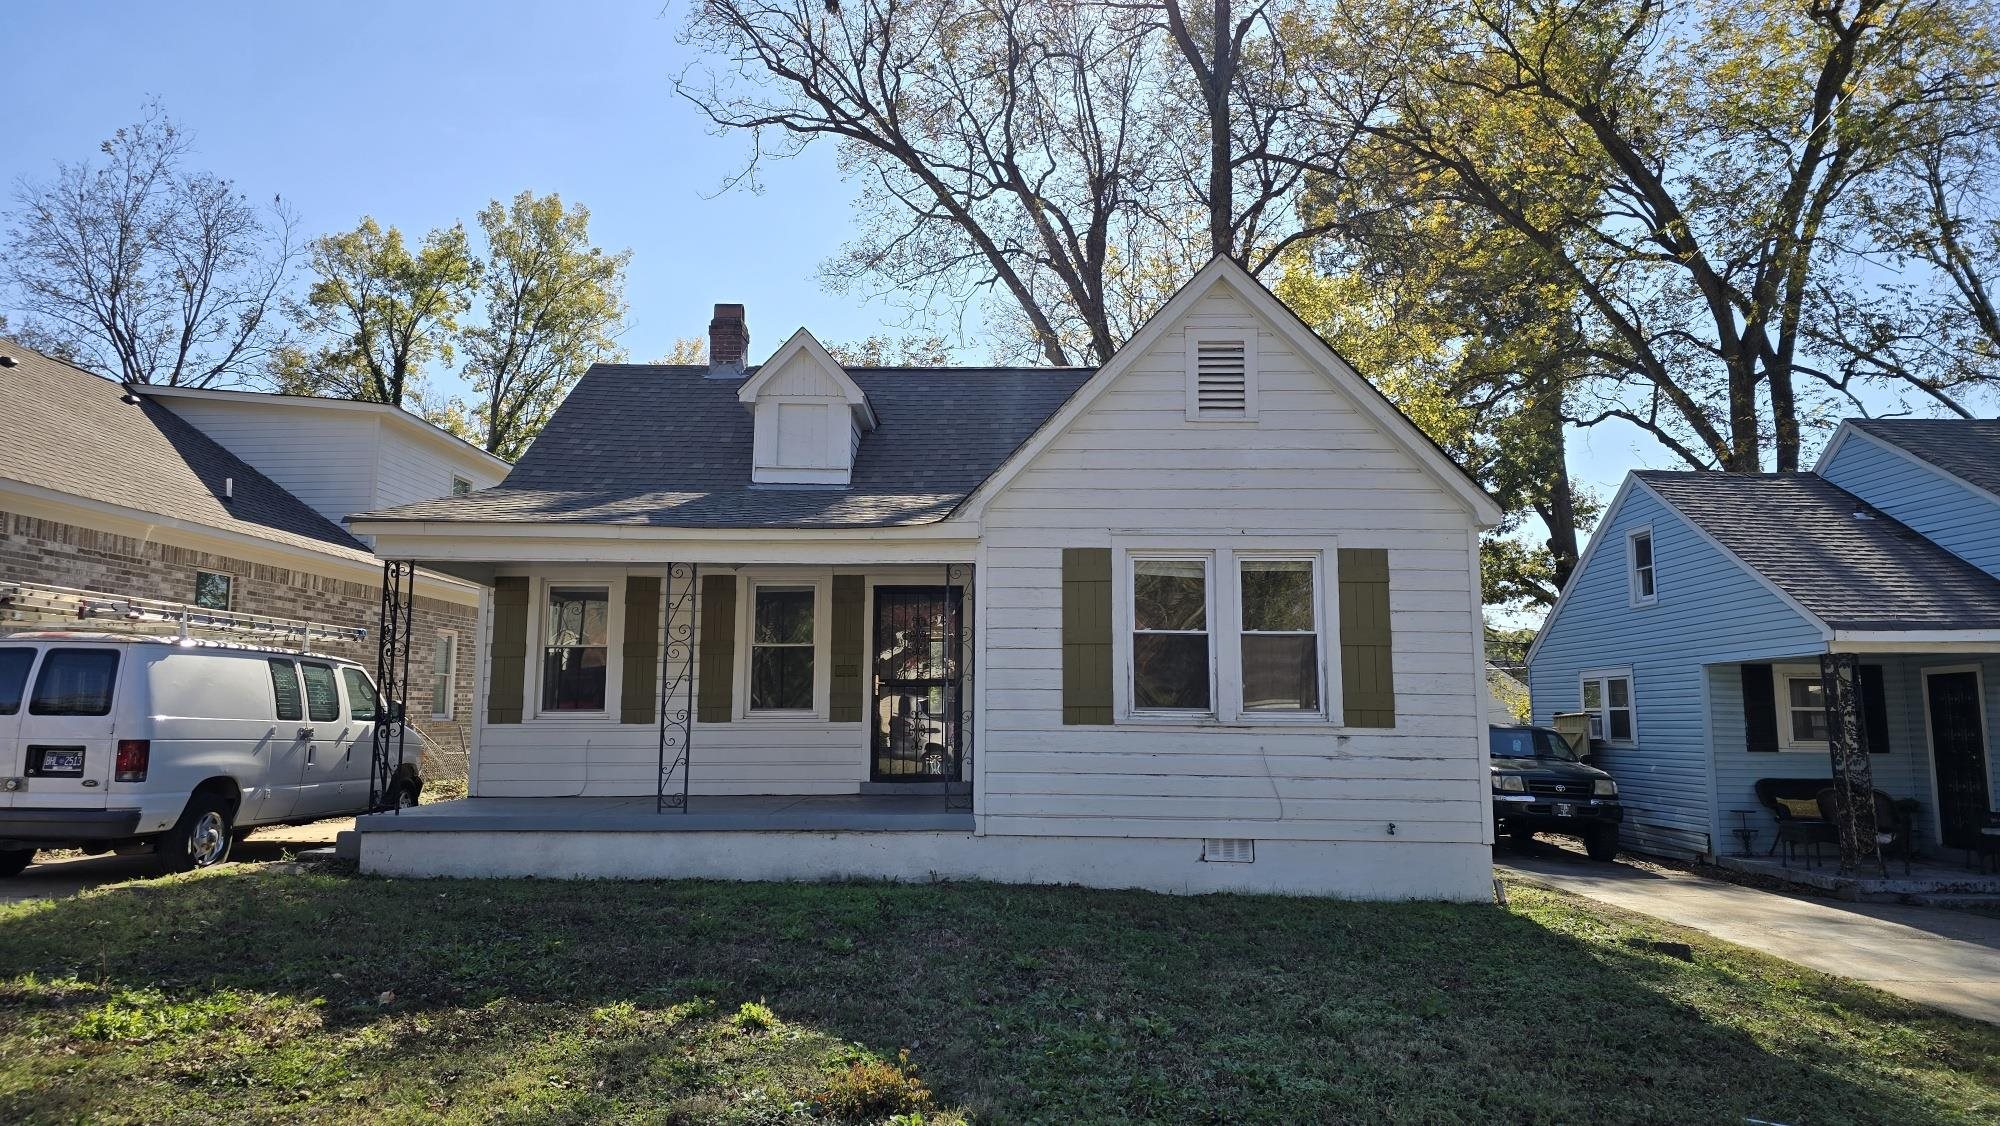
(1639, 561)
(1607, 696)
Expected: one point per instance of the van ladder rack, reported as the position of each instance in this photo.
(40, 602)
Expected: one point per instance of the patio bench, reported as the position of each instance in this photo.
(1794, 802)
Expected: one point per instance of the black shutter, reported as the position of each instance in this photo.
(1874, 711)
(1760, 709)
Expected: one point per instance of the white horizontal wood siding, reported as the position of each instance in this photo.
(552, 757)
(326, 458)
(1310, 466)
(410, 469)
(1941, 507)
(1707, 609)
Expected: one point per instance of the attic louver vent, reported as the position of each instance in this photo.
(1228, 850)
(1221, 380)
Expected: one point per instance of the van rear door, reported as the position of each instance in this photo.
(16, 662)
(66, 742)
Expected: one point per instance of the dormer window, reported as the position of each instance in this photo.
(809, 417)
(1222, 375)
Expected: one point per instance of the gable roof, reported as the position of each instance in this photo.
(1966, 448)
(71, 432)
(803, 342)
(619, 451)
(1439, 465)
(1845, 562)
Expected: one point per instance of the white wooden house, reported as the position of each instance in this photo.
(1204, 618)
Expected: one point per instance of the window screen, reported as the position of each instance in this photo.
(322, 695)
(781, 650)
(14, 666)
(75, 682)
(285, 688)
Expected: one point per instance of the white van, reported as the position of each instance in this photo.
(111, 741)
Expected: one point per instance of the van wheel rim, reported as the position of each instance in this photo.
(406, 798)
(209, 839)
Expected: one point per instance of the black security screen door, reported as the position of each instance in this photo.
(917, 636)
(1959, 750)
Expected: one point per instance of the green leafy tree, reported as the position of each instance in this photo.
(552, 304)
(1728, 152)
(892, 351)
(378, 313)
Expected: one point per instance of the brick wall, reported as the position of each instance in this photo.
(46, 551)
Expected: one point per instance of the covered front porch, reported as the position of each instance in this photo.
(1910, 724)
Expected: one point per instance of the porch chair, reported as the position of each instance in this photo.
(1892, 826)
(1793, 802)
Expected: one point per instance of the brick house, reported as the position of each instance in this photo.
(233, 501)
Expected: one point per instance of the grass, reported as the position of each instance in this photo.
(249, 996)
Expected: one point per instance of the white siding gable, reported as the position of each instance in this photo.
(1315, 467)
(808, 417)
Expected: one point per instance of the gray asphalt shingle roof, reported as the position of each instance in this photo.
(1865, 572)
(1966, 448)
(70, 431)
(666, 446)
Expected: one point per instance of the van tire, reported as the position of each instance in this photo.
(13, 860)
(203, 837)
(404, 794)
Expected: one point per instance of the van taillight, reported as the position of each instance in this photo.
(133, 755)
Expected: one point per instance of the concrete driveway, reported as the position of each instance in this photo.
(71, 874)
(1949, 959)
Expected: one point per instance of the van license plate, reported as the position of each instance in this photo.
(1564, 809)
(57, 762)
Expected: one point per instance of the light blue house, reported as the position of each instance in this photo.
(1692, 628)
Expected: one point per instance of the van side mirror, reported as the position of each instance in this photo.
(392, 712)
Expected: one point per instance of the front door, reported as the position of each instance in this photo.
(1958, 755)
(918, 640)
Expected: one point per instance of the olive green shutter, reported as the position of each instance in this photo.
(850, 597)
(504, 692)
(642, 649)
(1367, 684)
(717, 673)
(1086, 635)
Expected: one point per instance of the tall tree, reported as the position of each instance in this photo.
(378, 313)
(552, 304)
(139, 266)
(1034, 149)
(1733, 145)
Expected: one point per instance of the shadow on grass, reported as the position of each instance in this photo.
(582, 1000)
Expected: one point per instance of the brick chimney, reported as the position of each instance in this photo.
(728, 342)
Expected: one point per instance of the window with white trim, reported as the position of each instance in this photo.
(1639, 562)
(781, 648)
(460, 486)
(1608, 699)
(576, 648)
(1278, 628)
(1170, 650)
(1222, 375)
(444, 674)
(1802, 700)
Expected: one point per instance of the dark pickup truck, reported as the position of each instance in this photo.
(1539, 786)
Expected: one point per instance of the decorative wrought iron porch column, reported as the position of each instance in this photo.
(962, 648)
(676, 712)
(1853, 774)
(392, 677)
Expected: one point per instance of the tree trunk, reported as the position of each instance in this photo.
(1221, 183)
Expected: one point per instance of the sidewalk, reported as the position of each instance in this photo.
(1950, 959)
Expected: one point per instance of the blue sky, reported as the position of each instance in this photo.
(419, 113)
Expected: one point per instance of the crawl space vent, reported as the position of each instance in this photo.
(1228, 850)
(1220, 379)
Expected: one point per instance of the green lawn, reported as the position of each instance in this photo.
(242, 995)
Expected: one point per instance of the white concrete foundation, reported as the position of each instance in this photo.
(1355, 870)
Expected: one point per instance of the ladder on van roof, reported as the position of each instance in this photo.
(42, 603)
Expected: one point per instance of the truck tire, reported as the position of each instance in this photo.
(12, 860)
(202, 838)
(1601, 842)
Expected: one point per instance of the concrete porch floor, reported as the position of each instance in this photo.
(1926, 878)
(864, 813)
